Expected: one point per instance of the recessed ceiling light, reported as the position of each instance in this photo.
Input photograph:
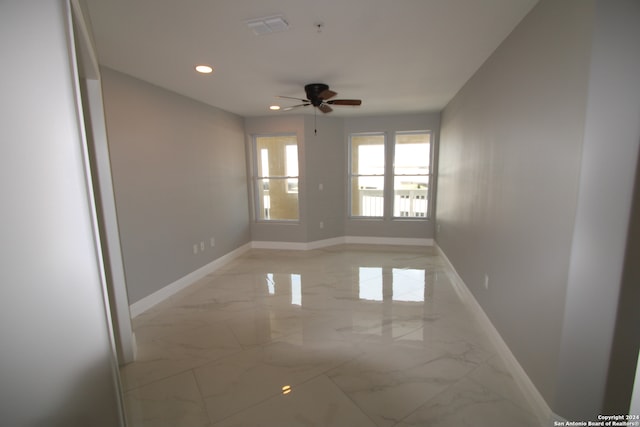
(204, 69)
(274, 107)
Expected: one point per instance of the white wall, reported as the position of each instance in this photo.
(58, 364)
(91, 90)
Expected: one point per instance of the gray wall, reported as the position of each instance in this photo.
(509, 169)
(58, 363)
(389, 124)
(325, 163)
(537, 161)
(626, 342)
(179, 179)
(609, 161)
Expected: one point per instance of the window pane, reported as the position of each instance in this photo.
(277, 180)
(291, 167)
(263, 164)
(292, 185)
(276, 153)
(367, 175)
(367, 154)
(410, 196)
(367, 196)
(274, 201)
(411, 175)
(412, 153)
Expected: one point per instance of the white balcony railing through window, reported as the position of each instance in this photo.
(407, 203)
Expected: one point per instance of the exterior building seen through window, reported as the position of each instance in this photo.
(276, 177)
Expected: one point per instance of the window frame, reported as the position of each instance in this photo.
(351, 175)
(257, 178)
(428, 175)
(389, 144)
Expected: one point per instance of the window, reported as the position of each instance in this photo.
(367, 175)
(406, 193)
(276, 177)
(411, 174)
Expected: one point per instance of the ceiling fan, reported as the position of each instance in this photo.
(319, 95)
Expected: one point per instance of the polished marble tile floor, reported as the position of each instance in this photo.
(350, 335)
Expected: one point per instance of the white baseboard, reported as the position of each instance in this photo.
(542, 410)
(157, 297)
(285, 246)
(400, 241)
(362, 240)
(319, 244)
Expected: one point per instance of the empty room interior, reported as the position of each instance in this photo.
(320, 213)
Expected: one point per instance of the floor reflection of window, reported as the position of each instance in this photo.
(271, 286)
(408, 285)
(296, 289)
(370, 283)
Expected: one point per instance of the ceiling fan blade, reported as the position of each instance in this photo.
(295, 106)
(327, 94)
(325, 108)
(345, 102)
(289, 97)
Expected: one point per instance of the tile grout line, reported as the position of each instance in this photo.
(204, 405)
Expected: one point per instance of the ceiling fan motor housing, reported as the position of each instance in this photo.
(313, 91)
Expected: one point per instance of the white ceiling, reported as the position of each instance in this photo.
(401, 56)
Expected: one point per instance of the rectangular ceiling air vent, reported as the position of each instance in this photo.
(271, 24)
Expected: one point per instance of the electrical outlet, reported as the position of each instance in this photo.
(202, 246)
(486, 281)
(212, 241)
(321, 224)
